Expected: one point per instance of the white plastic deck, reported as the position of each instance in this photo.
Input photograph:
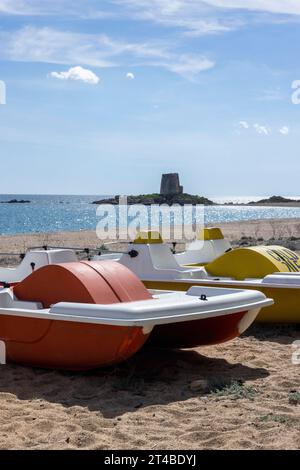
(162, 309)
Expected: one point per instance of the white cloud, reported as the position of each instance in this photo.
(197, 28)
(130, 76)
(188, 65)
(195, 17)
(262, 130)
(200, 17)
(284, 130)
(244, 125)
(48, 45)
(79, 74)
(54, 8)
(290, 7)
(16, 7)
(185, 14)
(34, 7)
(210, 12)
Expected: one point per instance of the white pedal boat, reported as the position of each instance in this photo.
(83, 315)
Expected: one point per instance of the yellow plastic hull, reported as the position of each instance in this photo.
(286, 308)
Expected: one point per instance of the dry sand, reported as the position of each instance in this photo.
(147, 402)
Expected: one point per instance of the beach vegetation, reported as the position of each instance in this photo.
(235, 390)
(294, 398)
(281, 419)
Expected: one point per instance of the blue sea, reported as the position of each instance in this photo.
(51, 213)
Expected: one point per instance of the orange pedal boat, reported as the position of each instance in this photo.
(83, 315)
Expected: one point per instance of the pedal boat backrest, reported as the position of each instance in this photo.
(155, 260)
(209, 245)
(33, 260)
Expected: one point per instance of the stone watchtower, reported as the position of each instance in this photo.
(170, 185)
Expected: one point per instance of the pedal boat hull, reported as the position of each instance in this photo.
(68, 345)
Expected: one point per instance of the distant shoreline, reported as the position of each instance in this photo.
(262, 204)
(251, 201)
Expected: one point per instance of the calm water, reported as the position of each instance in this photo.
(68, 213)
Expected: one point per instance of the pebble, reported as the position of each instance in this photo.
(201, 385)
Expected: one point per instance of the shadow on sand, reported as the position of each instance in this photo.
(274, 333)
(151, 377)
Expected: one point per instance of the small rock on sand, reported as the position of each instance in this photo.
(201, 385)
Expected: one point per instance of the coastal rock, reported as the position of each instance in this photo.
(16, 201)
(170, 193)
(149, 199)
(275, 200)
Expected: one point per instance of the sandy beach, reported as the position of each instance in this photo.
(147, 403)
(240, 395)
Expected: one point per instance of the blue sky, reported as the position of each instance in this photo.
(104, 96)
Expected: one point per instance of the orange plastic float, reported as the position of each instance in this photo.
(68, 345)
